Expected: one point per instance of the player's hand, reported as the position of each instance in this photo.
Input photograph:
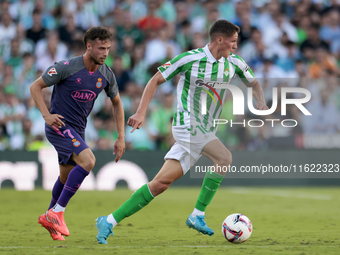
(261, 106)
(54, 121)
(135, 121)
(119, 148)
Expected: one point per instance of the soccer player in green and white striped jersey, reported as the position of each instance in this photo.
(204, 72)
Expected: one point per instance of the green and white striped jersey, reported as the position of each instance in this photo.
(200, 73)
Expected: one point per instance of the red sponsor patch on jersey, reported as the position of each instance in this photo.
(167, 64)
(52, 71)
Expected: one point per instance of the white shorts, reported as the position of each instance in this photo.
(189, 145)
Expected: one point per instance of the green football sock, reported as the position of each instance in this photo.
(210, 185)
(137, 201)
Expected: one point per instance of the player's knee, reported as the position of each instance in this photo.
(225, 159)
(229, 158)
(88, 165)
(91, 162)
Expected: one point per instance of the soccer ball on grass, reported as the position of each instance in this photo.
(237, 228)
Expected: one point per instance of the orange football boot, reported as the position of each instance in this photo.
(57, 219)
(44, 222)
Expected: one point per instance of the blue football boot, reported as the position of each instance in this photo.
(104, 229)
(197, 222)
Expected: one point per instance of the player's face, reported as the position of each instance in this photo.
(99, 51)
(227, 44)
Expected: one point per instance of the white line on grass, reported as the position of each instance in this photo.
(172, 246)
(281, 193)
(210, 246)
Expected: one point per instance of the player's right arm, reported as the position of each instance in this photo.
(136, 120)
(166, 72)
(53, 120)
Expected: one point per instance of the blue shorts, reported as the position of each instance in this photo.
(66, 141)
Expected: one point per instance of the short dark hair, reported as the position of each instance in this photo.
(223, 27)
(36, 12)
(27, 55)
(102, 33)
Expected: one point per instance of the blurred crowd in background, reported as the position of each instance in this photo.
(286, 43)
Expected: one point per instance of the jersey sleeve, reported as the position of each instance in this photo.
(55, 73)
(112, 88)
(243, 70)
(176, 65)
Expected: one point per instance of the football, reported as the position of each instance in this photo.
(237, 228)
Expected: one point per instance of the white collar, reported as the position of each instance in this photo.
(210, 57)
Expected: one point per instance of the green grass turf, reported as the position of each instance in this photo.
(285, 220)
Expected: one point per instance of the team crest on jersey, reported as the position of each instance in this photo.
(167, 64)
(99, 83)
(52, 71)
(226, 72)
(76, 143)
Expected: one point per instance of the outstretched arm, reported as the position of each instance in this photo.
(53, 120)
(258, 95)
(136, 120)
(118, 114)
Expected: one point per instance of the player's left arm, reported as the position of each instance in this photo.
(248, 78)
(258, 94)
(118, 114)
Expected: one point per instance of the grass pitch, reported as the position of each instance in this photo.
(285, 220)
